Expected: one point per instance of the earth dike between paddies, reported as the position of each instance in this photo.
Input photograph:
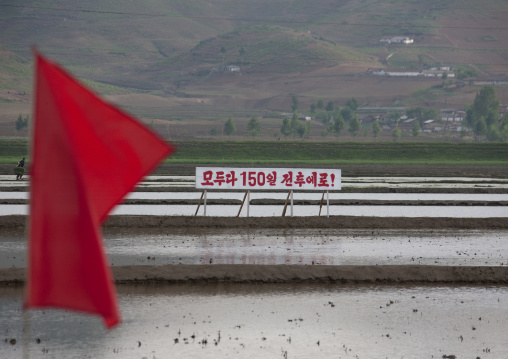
(248, 273)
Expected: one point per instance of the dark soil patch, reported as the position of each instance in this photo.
(245, 273)
(19, 221)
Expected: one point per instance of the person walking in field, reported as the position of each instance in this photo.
(20, 169)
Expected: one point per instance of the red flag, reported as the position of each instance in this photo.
(86, 156)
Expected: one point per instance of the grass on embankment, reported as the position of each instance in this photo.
(313, 153)
(329, 153)
(13, 149)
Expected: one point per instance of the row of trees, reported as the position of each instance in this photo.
(223, 51)
(482, 118)
(320, 105)
(339, 118)
(253, 126)
(295, 127)
(292, 127)
(330, 105)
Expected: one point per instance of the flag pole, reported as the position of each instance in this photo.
(71, 194)
(26, 315)
(26, 334)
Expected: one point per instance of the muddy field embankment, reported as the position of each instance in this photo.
(306, 202)
(284, 273)
(245, 273)
(194, 223)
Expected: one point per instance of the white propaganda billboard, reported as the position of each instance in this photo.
(268, 178)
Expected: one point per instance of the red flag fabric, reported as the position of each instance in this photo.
(86, 156)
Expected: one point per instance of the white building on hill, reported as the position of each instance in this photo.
(397, 40)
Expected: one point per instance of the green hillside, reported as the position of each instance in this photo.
(263, 50)
(104, 40)
(315, 49)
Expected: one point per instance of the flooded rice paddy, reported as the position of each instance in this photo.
(252, 210)
(304, 210)
(300, 196)
(294, 246)
(272, 321)
(355, 182)
(281, 320)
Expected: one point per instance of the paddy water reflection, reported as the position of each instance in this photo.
(272, 321)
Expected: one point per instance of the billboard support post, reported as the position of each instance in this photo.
(247, 179)
(286, 205)
(204, 208)
(327, 203)
(199, 203)
(291, 202)
(241, 206)
(321, 204)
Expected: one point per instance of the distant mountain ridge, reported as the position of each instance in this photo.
(282, 47)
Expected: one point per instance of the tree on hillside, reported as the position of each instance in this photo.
(354, 126)
(461, 74)
(294, 103)
(347, 114)
(229, 127)
(320, 104)
(253, 127)
(416, 112)
(394, 115)
(242, 53)
(483, 115)
(294, 124)
(352, 104)
(396, 133)
(337, 124)
(430, 114)
(480, 127)
(330, 106)
(285, 129)
(301, 130)
(22, 122)
(503, 128)
(323, 116)
(422, 114)
(416, 130)
(313, 107)
(376, 128)
(308, 127)
(494, 134)
(223, 52)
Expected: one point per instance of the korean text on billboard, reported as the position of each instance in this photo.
(268, 178)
